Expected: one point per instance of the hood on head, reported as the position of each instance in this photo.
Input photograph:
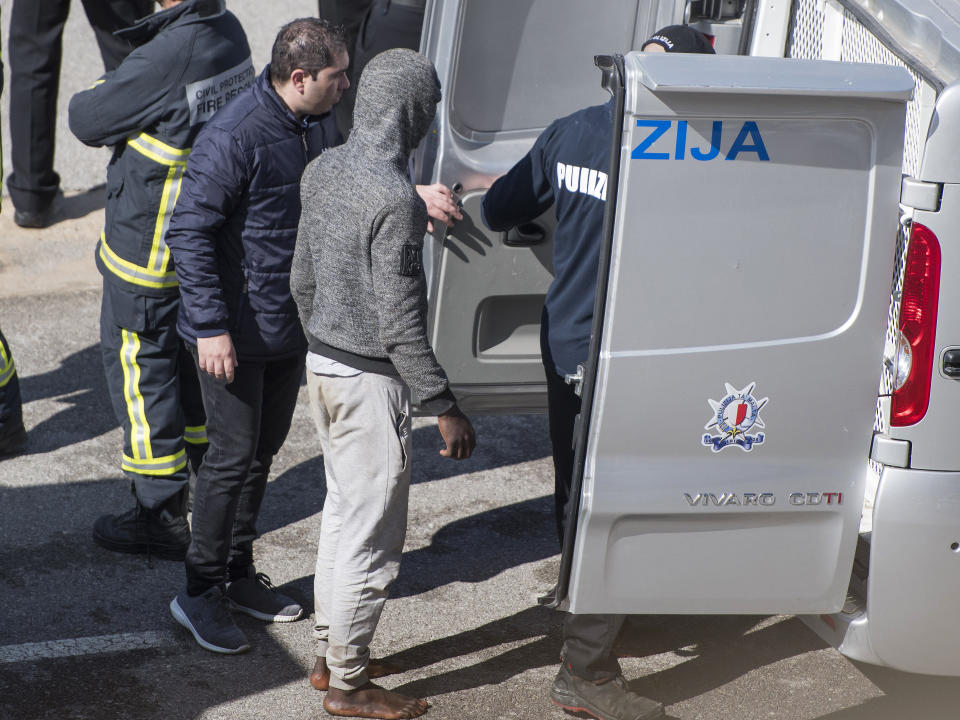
(396, 102)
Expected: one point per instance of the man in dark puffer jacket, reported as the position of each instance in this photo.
(232, 237)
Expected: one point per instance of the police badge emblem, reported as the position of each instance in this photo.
(734, 416)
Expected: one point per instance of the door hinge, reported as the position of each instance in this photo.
(920, 195)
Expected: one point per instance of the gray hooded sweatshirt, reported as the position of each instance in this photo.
(357, 273)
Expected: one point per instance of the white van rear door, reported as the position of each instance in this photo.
(508, 68)
(738, 361)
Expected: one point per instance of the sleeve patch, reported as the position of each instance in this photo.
(411, 260)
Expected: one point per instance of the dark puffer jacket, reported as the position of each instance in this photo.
(192, 58)
(233, 232)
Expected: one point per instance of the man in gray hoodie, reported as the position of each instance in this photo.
(360, 289)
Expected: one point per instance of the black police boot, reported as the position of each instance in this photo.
(161, 532)
(12, 442)
(611, 700)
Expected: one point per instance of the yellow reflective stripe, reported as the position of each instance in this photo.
(7, 368)
(101, 81)
(7, 374)
(158, 151)
(159, 253)
(195, 434)
(167, 465)
(136, 410)
(126, 270)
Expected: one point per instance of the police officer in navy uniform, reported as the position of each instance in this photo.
(36, 31)
(589, 678)
(191, 58)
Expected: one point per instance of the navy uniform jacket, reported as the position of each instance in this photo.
(567, 167)
(192, 58)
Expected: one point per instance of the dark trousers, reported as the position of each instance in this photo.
(386, 25)
(155, 393)
(349, 14)
(587, 639)
(247, 422)
(11, 412)
(36, 30)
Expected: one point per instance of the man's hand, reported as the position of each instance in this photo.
(441, 205)
(458, 434)
(216, 356)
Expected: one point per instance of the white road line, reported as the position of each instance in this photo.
(73, 647)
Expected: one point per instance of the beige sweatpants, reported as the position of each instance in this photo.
(365, 433)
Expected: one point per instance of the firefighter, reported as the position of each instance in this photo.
(192, 58)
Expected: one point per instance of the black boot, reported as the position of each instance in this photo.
(161, 532)
(12, 442)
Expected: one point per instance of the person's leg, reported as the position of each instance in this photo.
(368, 453)
(12, 433)
(587, 649)
(249, 591)
(589, 677)
(191, 403)
(35, 50)
(140, 349)
(108, 16)
(233, 426)
(327, 549)
(350, 14)
(386, 25)
(563, 406)
(330, 522)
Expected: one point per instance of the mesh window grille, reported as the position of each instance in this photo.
(859, 45)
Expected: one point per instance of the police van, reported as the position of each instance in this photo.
(776, 245)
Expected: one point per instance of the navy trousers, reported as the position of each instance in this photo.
(36, 32)
(11, 414)
(587, 639)
(154, 390)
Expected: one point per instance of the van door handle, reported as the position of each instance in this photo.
(525, 235)
(951, 364)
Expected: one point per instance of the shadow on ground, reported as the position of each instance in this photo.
(79, 386)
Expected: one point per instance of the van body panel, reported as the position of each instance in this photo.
(486, 289)
(914, 579)
(736, 381)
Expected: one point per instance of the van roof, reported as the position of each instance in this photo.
(924, 33)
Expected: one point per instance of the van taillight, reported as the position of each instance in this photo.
(918, 325)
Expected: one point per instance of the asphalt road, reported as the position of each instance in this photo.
(86, 634)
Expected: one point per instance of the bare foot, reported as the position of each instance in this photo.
(320, 677)
(373, 701)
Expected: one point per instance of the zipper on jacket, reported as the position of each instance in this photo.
(304, 127)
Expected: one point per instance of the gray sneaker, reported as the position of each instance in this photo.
(208, 618)
(256, 596)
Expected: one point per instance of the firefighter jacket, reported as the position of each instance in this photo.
(191, 60)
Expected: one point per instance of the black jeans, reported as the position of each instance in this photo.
(247, 422)
(587, 639)
(36, 31)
